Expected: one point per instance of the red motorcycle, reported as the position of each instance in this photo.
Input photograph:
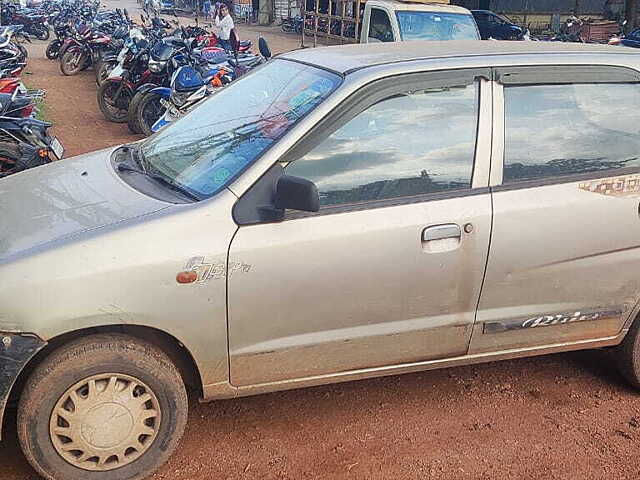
(117, 91)
(82, 49)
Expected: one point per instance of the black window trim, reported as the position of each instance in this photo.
(533, 75)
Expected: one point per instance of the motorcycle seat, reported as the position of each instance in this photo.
(6, 104)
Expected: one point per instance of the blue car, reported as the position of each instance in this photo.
(492, 25)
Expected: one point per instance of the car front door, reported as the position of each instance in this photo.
(565, 245)
(389, 270)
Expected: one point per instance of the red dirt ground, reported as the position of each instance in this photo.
(568, 416)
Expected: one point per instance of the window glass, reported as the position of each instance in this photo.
(410, 144)
(436, 26)
(380, 26)
(206, 149)
(555, 130)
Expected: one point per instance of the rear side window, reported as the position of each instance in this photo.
(559, 130)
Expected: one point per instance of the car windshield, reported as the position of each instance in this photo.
(209, 147)
(436, 26)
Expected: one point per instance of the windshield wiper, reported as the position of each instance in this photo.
(137, 157)
(123, 167)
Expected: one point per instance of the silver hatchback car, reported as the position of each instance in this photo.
(340, 213)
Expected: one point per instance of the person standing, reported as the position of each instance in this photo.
(224, 23)
(206, 8)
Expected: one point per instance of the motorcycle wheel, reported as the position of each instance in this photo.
(103, 70)
(53, 49)
(71, 63)
(132, 118)
(11, 160)
(114, 110)
(87, 63)
(149, 111)
(41, 32)
(23, 51)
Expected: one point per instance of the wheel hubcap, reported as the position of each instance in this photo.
(105, 422)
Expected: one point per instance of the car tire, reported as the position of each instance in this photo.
(104, 407)
(627, 355)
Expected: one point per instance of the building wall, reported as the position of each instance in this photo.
(538, 6)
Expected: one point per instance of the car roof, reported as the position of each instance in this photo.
(345, 59)
(423, 6)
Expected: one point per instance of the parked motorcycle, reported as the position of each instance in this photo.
(292, 24)
(24, 142)
(190, 85)
(34, 24)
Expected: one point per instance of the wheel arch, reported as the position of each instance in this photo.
(177, 352)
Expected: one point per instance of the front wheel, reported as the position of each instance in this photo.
(149, 111)
(103, 407)
(114, 101)
(72, 62)
(41, 32)
(103, 71)
(53, 49)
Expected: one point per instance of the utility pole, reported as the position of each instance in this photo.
(631, 14)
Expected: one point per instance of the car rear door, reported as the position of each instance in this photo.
(389, 270)
(565, 248)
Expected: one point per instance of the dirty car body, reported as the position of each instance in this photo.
(439, 235)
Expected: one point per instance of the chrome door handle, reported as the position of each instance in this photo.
(440, 232)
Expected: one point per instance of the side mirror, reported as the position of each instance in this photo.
(297, 194)
(264, 48)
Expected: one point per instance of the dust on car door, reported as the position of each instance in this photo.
(389, 270)
(564, 256)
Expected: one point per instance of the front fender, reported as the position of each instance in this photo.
(15, 352)
(109, 58)
(147, 87)
(164, 92)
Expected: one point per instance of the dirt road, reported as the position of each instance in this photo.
(558, 417)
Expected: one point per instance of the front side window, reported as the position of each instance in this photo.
(413, 143)
(436, 26)
(557, 130)
(380, 26)
(205, 150)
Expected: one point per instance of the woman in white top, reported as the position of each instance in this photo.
(224, 23)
